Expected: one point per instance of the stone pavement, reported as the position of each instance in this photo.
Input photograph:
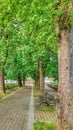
(18, 111)
(14, 110)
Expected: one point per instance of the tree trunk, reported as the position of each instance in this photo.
(37, 82)
(23, 80)
(19, 81)
(64, 96)
(2, 87)
(41, 76)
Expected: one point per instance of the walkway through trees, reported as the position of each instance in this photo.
(17, 111)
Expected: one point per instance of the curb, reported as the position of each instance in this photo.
(10, 94)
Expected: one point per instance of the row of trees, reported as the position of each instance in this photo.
(30, 31)
(22, 48)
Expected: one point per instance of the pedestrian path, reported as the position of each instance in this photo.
(19, 111)
(14, 110)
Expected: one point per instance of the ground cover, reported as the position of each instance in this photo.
(9, 89)
(44, 116)
(39, 125)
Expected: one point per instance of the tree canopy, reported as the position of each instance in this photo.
(28, 32)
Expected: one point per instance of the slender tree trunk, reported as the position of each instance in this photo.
(2, 87)
(64, 96)
(23, 80)
(41, 76)
(37, 82)
(19, 81)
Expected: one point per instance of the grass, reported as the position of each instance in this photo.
(1, 95)
(8, 92)
(12, 89)
(43, 107)
(9, 86)
(40, 125)
(36, 93)
(46, 108)
(16, 88)
(9, 89)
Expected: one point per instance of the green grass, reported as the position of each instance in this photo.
(43, 107)
(9, 89)
(7, 92)
(1, 95)
(36, 95)
(16, 88)
(46, 108)
(39, 125)
(9, 86)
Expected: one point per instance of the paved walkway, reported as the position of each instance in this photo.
(17, 111)
(14, 111)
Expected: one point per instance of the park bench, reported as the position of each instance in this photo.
(47, 98)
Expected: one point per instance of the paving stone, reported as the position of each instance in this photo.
(14, 110)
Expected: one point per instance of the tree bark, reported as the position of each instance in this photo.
(23, 80)
(41, 76)
(37, 82)
(2, 87)
(64, 96)
(19, 81)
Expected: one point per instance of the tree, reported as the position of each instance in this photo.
(7, 16)
(59, 16)
(64, 97)
(36, 33)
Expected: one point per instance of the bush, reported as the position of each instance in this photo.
(40, 125)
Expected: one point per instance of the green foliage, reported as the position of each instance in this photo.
(27, 32)
(39, 125)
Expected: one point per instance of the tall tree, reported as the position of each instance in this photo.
(64, 97)
(41, 76)
(6, 18)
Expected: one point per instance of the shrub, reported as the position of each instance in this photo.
(40, 125)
